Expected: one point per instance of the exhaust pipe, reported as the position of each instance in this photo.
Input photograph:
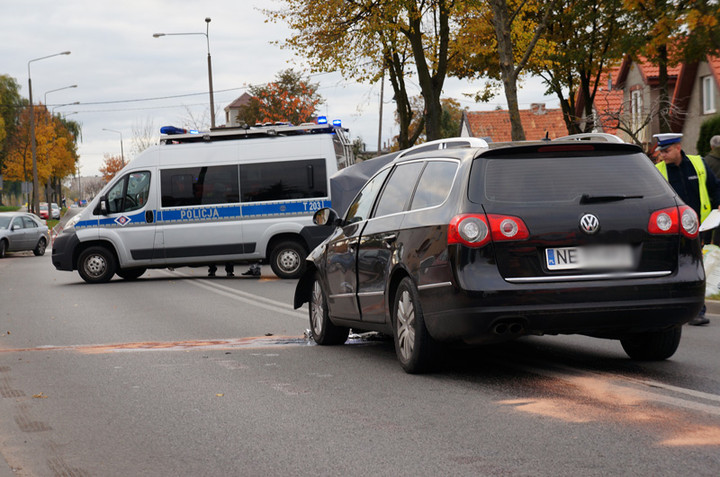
(514, 328)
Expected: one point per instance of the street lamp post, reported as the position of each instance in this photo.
(33, 147)
(209, 63)
(59, 89)
(61, 105)
(122, 154)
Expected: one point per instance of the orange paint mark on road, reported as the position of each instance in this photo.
(700, 436)
(251, 342)
(586, 399)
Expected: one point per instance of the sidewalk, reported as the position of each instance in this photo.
(713, 306)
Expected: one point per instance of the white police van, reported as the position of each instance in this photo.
(232, 195)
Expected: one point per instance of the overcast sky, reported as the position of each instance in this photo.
(126, 79)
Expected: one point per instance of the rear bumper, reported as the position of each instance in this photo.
(592, 308)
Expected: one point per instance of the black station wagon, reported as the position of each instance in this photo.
(489, 244)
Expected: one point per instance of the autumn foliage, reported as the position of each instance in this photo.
(111, 166)
(290, 98)
(55, 148)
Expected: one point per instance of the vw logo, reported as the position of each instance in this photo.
(589, 224)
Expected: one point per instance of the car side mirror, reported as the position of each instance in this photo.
(102, 206)
(326, 216)
(14, 227)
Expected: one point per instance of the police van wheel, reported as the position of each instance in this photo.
(96, 265)
(287, 259)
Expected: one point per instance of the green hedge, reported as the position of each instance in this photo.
(709, 128)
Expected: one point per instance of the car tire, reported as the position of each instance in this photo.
(414, 346)
(39, 249)
(96, 265)
(287, 259)
(653, 346)
(323, 331)
(130, 273)
(3, 248)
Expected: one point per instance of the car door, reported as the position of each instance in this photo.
(32, 232)
(379, 240)
(17, 238)
(130, 218)
(341, 259)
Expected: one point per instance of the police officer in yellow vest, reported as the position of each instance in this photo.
(692, 180)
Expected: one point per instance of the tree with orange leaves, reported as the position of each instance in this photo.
(56, 149)
(111, 166)
(290, 98)
(667, 33)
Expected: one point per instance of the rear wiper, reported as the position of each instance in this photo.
(591, 199)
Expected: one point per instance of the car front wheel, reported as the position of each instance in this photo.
(414, 346)
(324, 332)
(653, 346)
(96, 265)
(3, 248)
(40, 248)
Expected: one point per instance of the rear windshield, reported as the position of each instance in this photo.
(563, 179)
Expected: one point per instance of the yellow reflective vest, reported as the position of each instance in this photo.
(697, 162)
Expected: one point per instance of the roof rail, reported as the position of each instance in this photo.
(270, 130)
(602, 137)
(446, 143)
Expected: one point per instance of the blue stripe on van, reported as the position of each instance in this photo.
(212, 213)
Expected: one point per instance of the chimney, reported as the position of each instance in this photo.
(538, 108)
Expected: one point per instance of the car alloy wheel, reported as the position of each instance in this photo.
(324, 332)
(414, 346)
(40, 248)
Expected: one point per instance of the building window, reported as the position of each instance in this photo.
(708, 95)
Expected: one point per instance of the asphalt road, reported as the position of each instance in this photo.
(179, 374)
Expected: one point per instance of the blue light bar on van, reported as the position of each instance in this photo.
(337, 122)
(172, 130)
(322, 120)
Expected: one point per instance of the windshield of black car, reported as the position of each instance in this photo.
(547, 180)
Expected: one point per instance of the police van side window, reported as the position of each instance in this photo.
(284, 180)
(199, 186)
(129, 193)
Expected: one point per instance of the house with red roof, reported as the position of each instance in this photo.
(538, 123)
(696, 98)
(628, 98)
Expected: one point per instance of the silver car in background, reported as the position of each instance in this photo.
(22, 231)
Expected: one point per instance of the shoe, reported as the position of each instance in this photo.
(251, 271)
(699, 320)
(230, 274)
(211, 274)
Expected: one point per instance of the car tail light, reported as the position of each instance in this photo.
(506, 227)
(674, 220)
(469, 229)
(476, 230)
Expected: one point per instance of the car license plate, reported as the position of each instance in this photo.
(589, 258)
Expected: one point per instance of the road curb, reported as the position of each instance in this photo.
(713, 306)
